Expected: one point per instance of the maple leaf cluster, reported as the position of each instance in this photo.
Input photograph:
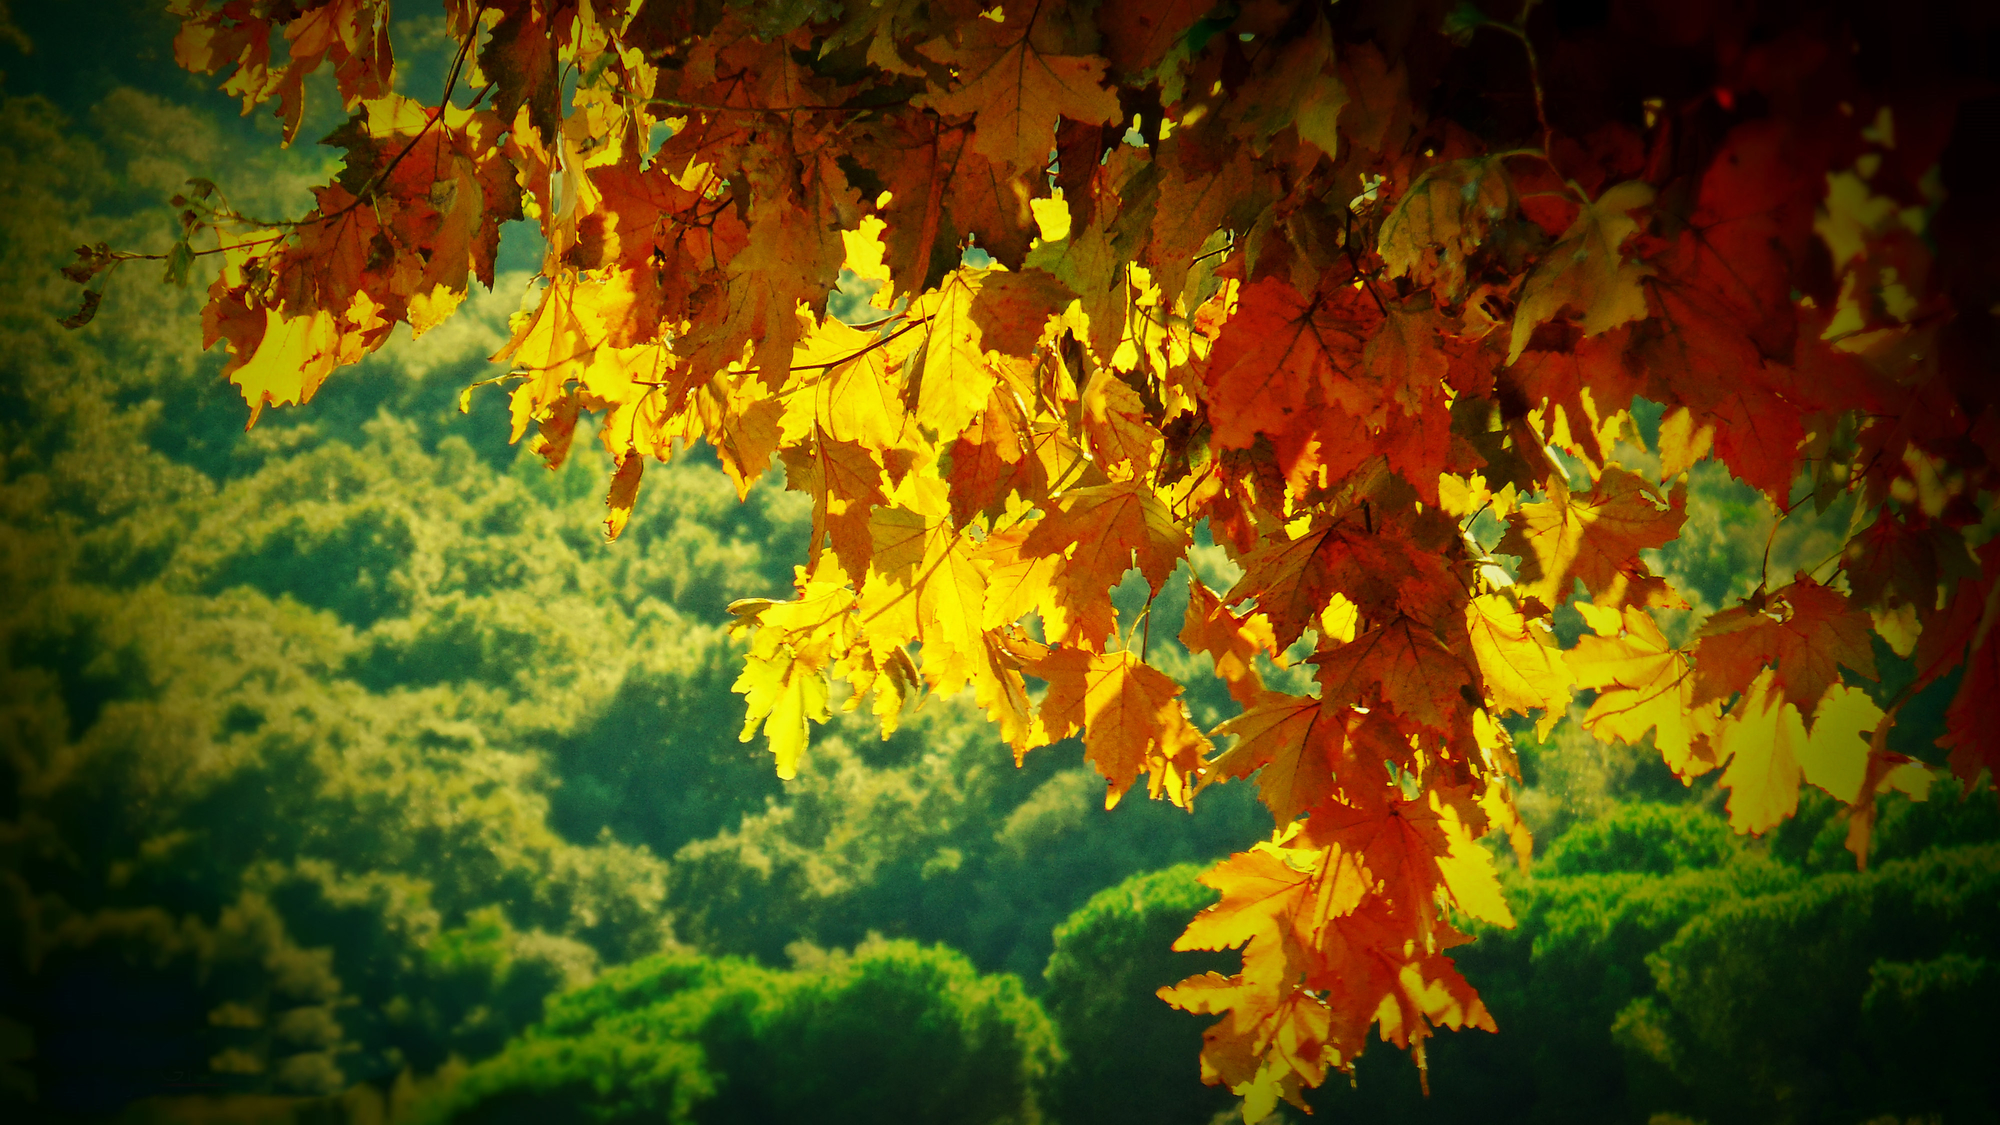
(1330, 281)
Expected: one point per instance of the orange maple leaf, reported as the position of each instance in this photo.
(1233, 641)
(1277, 350)
(1643, 683)
(1292, 743)
(1132, 718)
(1805, 630)
(1384, 573)
(1596, 536)
(1016, 88)
(1402, 665)
(1102, 532)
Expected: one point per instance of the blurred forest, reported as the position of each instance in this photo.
(347, 774)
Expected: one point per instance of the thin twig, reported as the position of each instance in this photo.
(364, 195)
(1519, 30)
(707, 107)
(910, 327)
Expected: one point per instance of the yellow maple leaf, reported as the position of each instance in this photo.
(951, 601)
(818, 625)
(1518, 660)
(1583, 271)
(950, 369)
(1762, 739)
(784, 678)
(1835, 757)
(785, 695)
(551, 347)
(1643, 683)
(865, 251)
(1468, 868)
(1683, 441)
(624, 493)
(840, 383)
(1017, 583)
(291, 361)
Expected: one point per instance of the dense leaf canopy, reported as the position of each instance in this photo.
(1421, 315)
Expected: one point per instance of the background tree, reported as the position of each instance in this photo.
(893, 1031)
(1336, 284)
(1127, 1051)
(334, 747)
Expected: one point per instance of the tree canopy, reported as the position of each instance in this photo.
(1421, 316)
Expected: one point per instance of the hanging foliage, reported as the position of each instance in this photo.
(1323, 282)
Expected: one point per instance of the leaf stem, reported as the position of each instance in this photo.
(832, 363)
(359, 197)
(1519, 30)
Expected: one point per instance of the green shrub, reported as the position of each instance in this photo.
(891, 1032)
(1849, 996)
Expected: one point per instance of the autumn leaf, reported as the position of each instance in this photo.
(1144, 270)
(1294, 580)
(1406, 360)
(1761, 740)
(1726, 325)
(1585, 272)
(786, 698)
(1260, 893)
(950, 369)
(1402, 665)
(287, 363)
(1292, 744)
(1972, 740)
(1582, 386)
(994, 462)
(1805, 631)
(351, 34)
(1136, 37)
(1279, 347)
(1132, 720)
(1112, 528)
(624, 493)
(1886, 770)
(841, 383)
(1835, 756)
(520, 59)
(1468, 870)
(1442, 220)
(1232, 641)
(1643, 684)
(846, 486)
(1297, 88)
(1519, 662)
(1596, 537)
(1101, 532)
(1016, 90)
(1013, 309)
